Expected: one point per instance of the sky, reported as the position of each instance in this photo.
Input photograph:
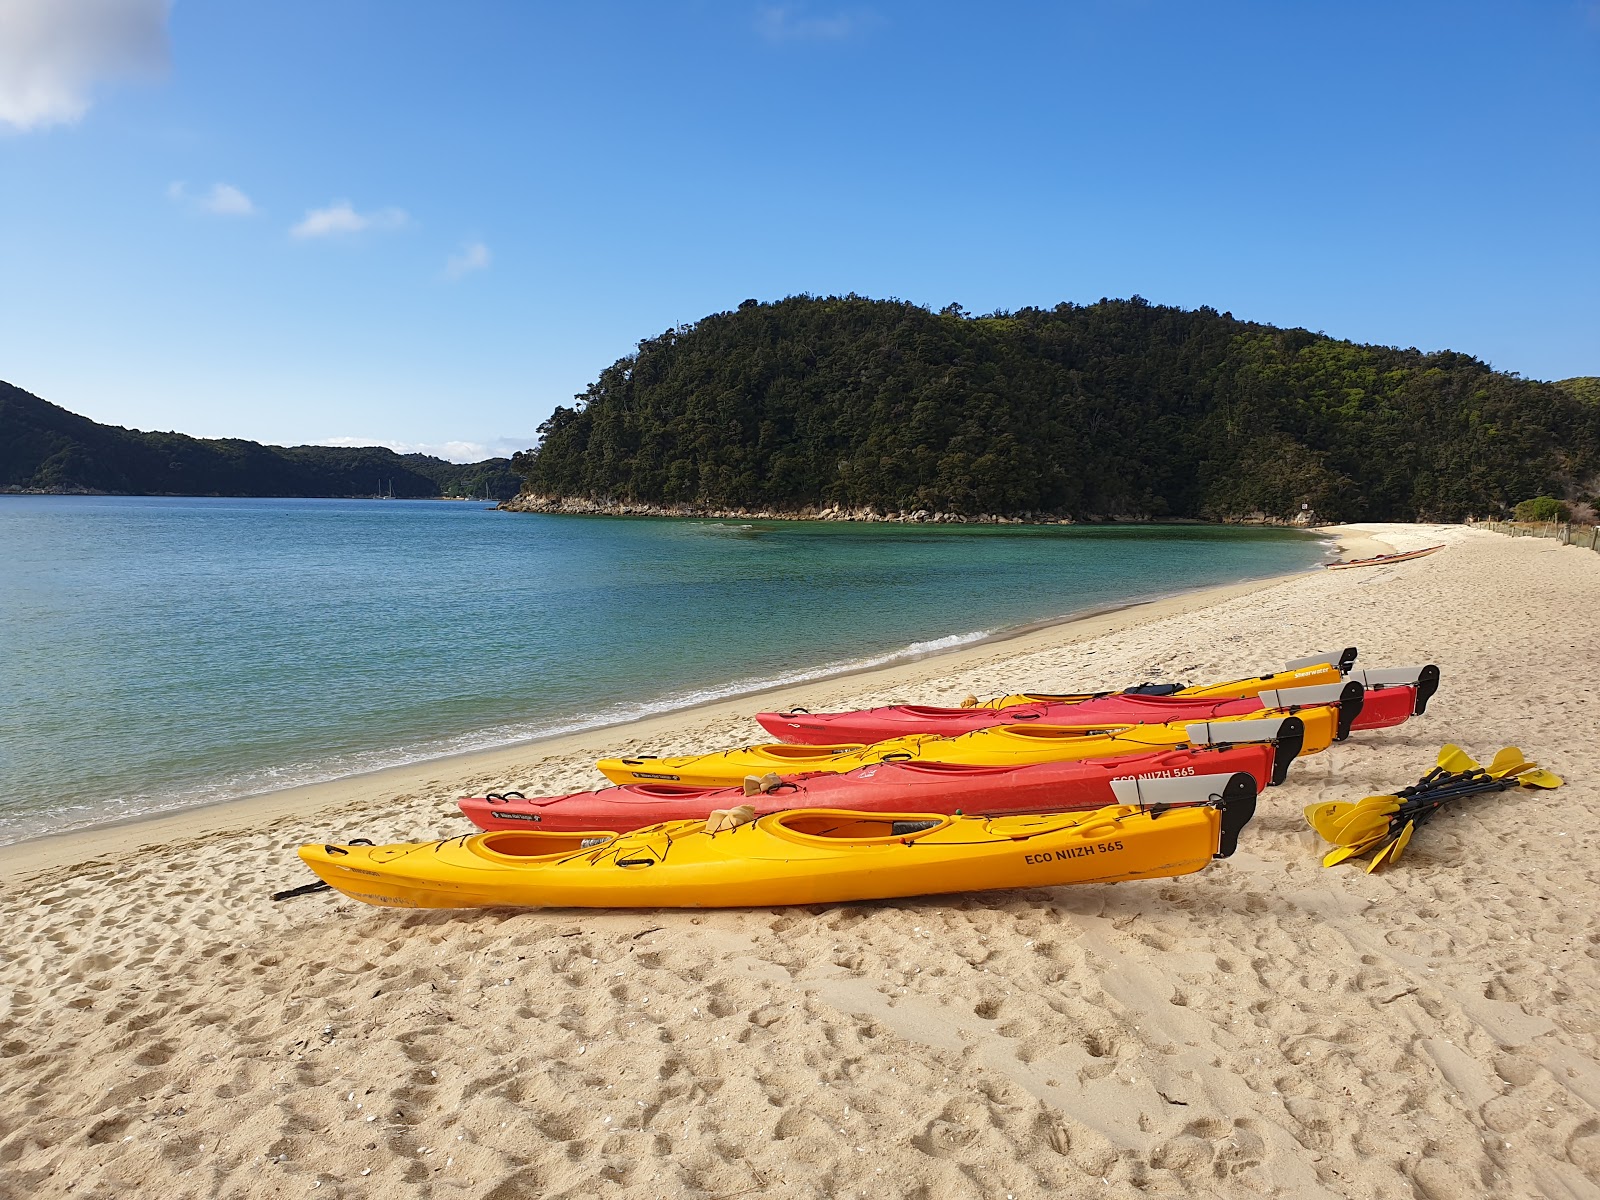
(427, 224)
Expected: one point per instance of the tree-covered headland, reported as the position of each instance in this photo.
(1116, 409)
(43, 447)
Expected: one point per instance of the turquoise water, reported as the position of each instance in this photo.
(157, 653)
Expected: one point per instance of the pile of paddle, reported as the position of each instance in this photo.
(1386, 823)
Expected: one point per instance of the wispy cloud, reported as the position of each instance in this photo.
(474, 256)
(53, 52)
(223, 199)
(458, 452)
(341, 219)
(793, 23)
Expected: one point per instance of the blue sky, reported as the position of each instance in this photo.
(428, 224)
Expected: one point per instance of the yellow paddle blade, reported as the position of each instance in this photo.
(1539, 778)
(1508, 762)
(1361, 828)
(1401, 842)
(1455, 760)
(1326, 816)
(1334, 857)
(1373, 804)
(1384, 853)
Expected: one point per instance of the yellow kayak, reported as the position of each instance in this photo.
(1302, 673)
(802, 856)
(1004, 745)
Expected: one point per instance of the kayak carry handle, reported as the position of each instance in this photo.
(1291, 740)
(1167, 791)
(305, 889)
(1299, 697)
(1427, 685)
(1215, 733)
(1392, 676)
(1343, 659)
(1350, 696)
(1287, 734)
(1237, 805)
(1424, 679)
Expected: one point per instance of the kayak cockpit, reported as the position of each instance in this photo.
(1054, 733)
(782, 750)
(520, 846)
(830, 826)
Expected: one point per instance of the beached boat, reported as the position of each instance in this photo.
(1379, 560)
(881, 787)
(1306, 732)
(1311, 671)
(902, 720)
(802, 856)
(1379, 706)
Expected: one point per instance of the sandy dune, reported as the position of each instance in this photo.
(1266, 1027)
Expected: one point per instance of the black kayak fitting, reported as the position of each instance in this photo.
(1238, 805)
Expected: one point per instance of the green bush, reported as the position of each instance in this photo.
(1542, 508)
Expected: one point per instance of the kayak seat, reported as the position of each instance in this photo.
(846, 826)
(804, 753)
(516, 844)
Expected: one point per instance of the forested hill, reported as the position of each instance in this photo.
(43, 447)
(1120, 408)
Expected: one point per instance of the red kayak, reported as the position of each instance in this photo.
(881, 787)
(1384, 702)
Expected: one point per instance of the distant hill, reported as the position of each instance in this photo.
(43, 447)
(1121, 408)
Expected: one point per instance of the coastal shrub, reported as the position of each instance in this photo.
(1542, 508)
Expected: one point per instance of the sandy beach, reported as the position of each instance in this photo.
(1265, 1027)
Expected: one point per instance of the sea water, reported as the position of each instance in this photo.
(159, 653)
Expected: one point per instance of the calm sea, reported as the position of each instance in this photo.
(160, 653)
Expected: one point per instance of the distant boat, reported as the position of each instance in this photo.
(1381, 559)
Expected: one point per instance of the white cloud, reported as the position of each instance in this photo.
(791, 23)
(223, 199)
(474, 256)
(53, 52)
(227, 200)
(339, 218)
(457, 452)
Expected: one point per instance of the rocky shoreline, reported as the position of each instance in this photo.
(582, 506)
(579, 506)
